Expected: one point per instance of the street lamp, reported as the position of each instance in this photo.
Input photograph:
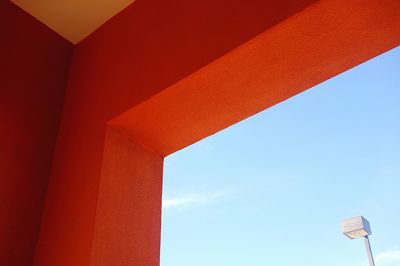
(358, 227)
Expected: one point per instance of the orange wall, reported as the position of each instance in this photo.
(34, 64)
(322, 41)
(128, 214)
(149, 46)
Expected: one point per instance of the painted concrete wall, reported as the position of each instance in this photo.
(138, 53)
(154, 79)
(177, 63)
(34, 63)
(322, 41)
(127, 226)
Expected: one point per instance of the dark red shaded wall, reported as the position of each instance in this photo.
(34, 65)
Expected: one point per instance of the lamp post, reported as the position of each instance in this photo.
(358, 227)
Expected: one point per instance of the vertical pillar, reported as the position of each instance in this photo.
(128, 215)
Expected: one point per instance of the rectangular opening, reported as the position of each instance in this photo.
(273, 189)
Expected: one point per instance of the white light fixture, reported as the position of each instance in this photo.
(358, 227)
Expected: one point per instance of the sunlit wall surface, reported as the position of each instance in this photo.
(273, 189)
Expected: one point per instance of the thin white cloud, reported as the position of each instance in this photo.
(190, 200)
(388, 257)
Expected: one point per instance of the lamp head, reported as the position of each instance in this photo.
(356, 227)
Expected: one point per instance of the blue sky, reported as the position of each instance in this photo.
(273, 189)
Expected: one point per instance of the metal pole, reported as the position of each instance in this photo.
(369, 251)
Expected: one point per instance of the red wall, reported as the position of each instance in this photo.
(128, 215)
(104, 193)
(295, 55)
(34, 65)
(139, 52)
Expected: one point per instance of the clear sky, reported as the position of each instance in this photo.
(273, 189)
